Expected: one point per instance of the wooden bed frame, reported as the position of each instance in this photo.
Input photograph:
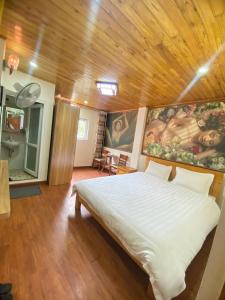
(80, 200)
(216, 187)
(214, 191)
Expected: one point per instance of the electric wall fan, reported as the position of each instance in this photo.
(28, 95)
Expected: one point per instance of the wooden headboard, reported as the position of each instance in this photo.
(216, 186)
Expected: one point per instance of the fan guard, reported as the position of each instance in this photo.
(28, 95)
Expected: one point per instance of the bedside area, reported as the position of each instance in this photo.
(125, 170)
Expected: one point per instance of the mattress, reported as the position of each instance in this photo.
(160, 223)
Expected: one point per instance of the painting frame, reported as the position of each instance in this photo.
(120, 130)
(215, 161)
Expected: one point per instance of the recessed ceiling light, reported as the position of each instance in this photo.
(85, 102)
(107, 88)
(203, 70)
(33, 64)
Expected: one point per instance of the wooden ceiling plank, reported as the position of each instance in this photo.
(209, 22)
(152, 48)
(218, 7)
(162, 17)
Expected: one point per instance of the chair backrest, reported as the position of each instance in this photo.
(122, 160)
(105, 153)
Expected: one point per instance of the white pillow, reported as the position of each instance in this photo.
(158, 170)
(197, 182)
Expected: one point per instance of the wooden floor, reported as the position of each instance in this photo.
(50, 253)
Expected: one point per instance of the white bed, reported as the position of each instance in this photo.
(161, 224)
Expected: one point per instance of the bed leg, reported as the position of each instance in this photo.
(78, 203)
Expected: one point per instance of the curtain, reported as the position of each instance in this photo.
(100, 134)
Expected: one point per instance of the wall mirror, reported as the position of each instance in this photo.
(14, 119)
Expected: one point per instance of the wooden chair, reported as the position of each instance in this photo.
(100, 161)
(121, 162)
(107, 163)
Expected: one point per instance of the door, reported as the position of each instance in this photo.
(33, 139)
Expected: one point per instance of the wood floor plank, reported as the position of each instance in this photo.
(50, 253)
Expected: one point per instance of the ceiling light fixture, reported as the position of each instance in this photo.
(107, 88)
(33, 64)
(85, 102)
(203, 70)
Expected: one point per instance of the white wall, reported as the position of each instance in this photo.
(85, 149)
(47, 98)
(214, 275)
(138, 137)
(47, 88)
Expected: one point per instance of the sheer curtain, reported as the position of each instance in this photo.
(100, 134)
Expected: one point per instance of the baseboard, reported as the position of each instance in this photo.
(82, 167)
(14, 183)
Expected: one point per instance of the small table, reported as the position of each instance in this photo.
(125, 170)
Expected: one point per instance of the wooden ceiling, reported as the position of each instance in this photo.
(152, 48)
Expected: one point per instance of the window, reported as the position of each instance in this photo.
(82, 133)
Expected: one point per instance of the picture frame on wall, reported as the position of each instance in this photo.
(191, 133)
(120, 130)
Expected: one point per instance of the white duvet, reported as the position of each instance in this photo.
(162, 224)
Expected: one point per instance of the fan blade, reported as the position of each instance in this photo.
(36, 93)
(17, 86)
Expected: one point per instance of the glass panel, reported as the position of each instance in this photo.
(14, 119)
(34, 125)
(31, 158)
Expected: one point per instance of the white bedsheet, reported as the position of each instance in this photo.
(162, 224)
